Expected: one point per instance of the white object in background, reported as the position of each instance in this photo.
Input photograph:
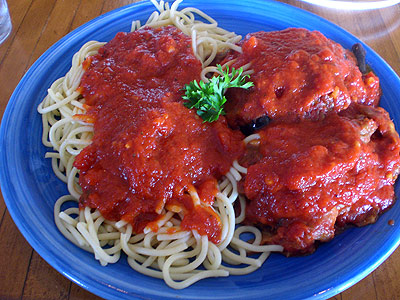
(354, 5)
(5, 21)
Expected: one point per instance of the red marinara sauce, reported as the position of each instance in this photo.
(314, 177)
(297, 74)
(149, 151)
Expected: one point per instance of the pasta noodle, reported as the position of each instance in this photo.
(179, 257)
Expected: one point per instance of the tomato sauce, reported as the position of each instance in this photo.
(317, 176)
(148, 150)
(329, 157)
(297, 74)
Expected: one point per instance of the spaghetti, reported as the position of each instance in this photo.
(164, 250)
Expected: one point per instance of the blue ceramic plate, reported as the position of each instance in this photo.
(30, 188)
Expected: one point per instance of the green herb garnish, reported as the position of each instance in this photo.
(208, 98)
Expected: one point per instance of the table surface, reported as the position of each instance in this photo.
(37, 24)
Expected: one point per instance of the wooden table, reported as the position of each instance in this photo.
(37, 24)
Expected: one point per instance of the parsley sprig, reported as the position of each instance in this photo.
(208, 98)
